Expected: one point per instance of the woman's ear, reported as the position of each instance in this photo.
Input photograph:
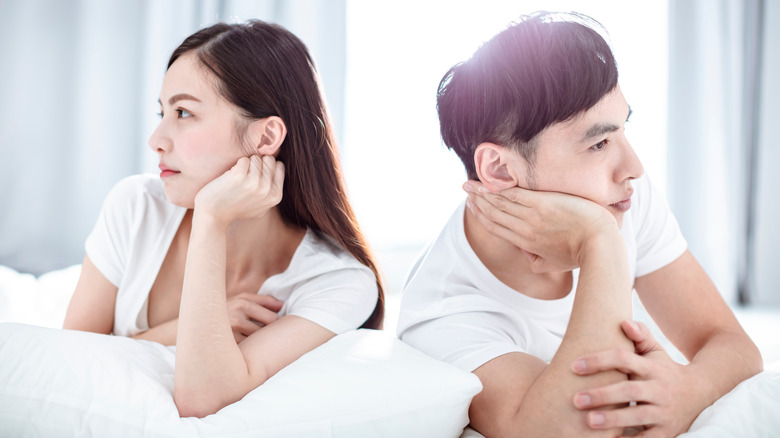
(498, 167)
(266, 135)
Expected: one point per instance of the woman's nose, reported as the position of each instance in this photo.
(159, 141)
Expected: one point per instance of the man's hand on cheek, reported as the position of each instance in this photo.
(550, 228)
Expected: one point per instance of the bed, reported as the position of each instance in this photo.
(363, 383)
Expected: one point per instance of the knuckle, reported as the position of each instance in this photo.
(633, 390)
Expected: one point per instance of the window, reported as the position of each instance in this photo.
(403, 182)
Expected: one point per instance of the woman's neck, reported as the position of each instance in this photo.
(260, 248)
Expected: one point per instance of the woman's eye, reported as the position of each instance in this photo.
(600, 145)
(183, 113)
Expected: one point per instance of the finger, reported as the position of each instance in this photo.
(278, 180)
(268, 172)
(519, 195)
(505, 218)
(259, 313)
(615, 394)
(639, 415)
(238, 336)
(640, 334)
(245, 326)
(615, 359)
(500, 201)
(494, 227)
(256, 165)
(242, 166)
(266, 301)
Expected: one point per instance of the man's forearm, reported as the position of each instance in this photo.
(602, 301)
(725, 360)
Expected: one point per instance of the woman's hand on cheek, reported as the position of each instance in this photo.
(551, 228)
(248, 190)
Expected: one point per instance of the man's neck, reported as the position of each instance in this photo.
(508, 263)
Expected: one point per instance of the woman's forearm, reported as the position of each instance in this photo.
(210, 369)
(164, 333)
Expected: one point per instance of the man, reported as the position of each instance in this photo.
(529, 284)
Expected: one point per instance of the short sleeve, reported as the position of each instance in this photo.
(658, 237)
(108, 244)
(339, 300)
(466, 340)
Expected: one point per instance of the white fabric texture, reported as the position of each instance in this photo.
(323, 283)
(454, 309)
(364, 383)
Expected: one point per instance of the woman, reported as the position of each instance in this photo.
(245, 252)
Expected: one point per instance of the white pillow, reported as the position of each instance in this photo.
(363, 383)
(752, 409)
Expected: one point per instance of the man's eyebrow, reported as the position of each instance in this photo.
(178, 97)
(602, 128)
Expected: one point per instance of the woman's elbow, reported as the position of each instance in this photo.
(198, 404)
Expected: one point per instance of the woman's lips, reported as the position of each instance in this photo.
(166, 172)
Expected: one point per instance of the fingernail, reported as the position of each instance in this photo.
(578, 365)
(482, 189)
(468, 187)
(633, 325)
(582, 400)
(596, 419)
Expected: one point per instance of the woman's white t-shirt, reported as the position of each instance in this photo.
(454, 309)
(323, 283)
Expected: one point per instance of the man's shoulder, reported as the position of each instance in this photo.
(440, 258)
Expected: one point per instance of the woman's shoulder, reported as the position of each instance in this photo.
(319, 254)
(139, 200)
(138, 192)
(138, 186)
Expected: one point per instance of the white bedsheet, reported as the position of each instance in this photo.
(751, 410)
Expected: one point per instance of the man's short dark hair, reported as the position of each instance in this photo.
(543, 69)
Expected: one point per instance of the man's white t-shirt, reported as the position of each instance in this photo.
(454, 309)
(323, 283)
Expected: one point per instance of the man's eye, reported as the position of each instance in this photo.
(600, 145)
(183, 113)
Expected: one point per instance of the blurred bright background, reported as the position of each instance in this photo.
(81, 78)
(403, 181)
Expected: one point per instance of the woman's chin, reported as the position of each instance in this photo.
(180, 201)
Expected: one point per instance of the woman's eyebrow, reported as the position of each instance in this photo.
(181, 96)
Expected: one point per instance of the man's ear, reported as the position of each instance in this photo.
(498, 166)
(266, 135)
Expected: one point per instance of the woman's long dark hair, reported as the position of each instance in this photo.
(266, 71)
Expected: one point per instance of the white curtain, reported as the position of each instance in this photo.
(79, 84)
(721, 155)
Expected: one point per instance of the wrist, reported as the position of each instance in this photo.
(207, 219)
(605, 243)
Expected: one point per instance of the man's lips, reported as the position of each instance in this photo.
(622, 206)
(625, 204)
